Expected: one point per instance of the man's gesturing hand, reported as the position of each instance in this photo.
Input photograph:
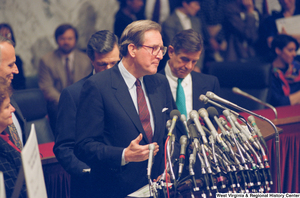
(138, 153)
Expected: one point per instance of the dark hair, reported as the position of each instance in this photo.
(5, 90)
(188, 41)
(6, 25)
(134, 33)
(101, 42)
(60, 30)
(281, 41)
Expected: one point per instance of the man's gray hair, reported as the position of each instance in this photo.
(134, 33)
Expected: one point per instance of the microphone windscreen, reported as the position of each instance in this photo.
(190, 121)
(212, 112)
(175, 112)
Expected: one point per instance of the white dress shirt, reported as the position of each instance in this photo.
(163, 13)
(184, 20)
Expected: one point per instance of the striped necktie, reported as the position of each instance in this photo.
(143, 110)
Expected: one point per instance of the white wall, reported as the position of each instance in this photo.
(34, 23)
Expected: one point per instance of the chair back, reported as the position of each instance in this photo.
(251, 76)
(33, 107)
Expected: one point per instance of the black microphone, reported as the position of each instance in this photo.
(175, 115)
(183, 144)
(150, 160)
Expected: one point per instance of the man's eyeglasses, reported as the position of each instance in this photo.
(156, 50)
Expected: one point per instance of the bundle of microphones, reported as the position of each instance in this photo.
(232, 161)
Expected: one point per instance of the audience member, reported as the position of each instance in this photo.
(241, 29)
(103, 52)
(61, 68)
(186, 85)
(19, 80)
(113, 131)
(8, 69)
(285, 88)
(212, 13)
(183, 18)
(127, 14)
(268, 29)
(10, 157)
(157, 10)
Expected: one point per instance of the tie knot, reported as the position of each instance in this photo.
(179, 80)
(138, 82)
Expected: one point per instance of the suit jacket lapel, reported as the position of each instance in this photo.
(123, 96)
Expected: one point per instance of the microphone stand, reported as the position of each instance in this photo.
(242, 93)
(276, 139)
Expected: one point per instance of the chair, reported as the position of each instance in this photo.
(33, 106)
(251, 76)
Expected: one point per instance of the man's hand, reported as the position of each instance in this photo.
(138, 153)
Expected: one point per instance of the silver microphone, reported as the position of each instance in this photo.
(150, 160)
(242, 93)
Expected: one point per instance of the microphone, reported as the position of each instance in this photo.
(213, 113)
(203, 113)
(183, 143)
(242, 93)
(183, 120)
(205, 100)
(195, 117)
(150, 160)
(175, 115)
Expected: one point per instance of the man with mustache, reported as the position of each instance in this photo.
(61, 68)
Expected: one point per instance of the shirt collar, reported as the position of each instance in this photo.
(174, 78)
(127, 76)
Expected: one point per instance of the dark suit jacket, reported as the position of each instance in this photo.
(10, 163)
(21, 120)
(65, 138)
(107, 121)
(201, 84)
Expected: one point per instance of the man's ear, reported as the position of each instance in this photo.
(132, 49)
(171, 51)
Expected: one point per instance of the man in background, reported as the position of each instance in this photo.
(186, 85)
(103, 52)
(7, 70)
(61, 68)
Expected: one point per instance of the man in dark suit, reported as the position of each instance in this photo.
(7, 70)
(114, 129)
(184, 52)
(103, 52)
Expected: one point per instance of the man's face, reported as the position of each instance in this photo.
(145, 62)
(7, 63)
(183, 63)
(192, 8)
(106, 61)
(67, 41)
